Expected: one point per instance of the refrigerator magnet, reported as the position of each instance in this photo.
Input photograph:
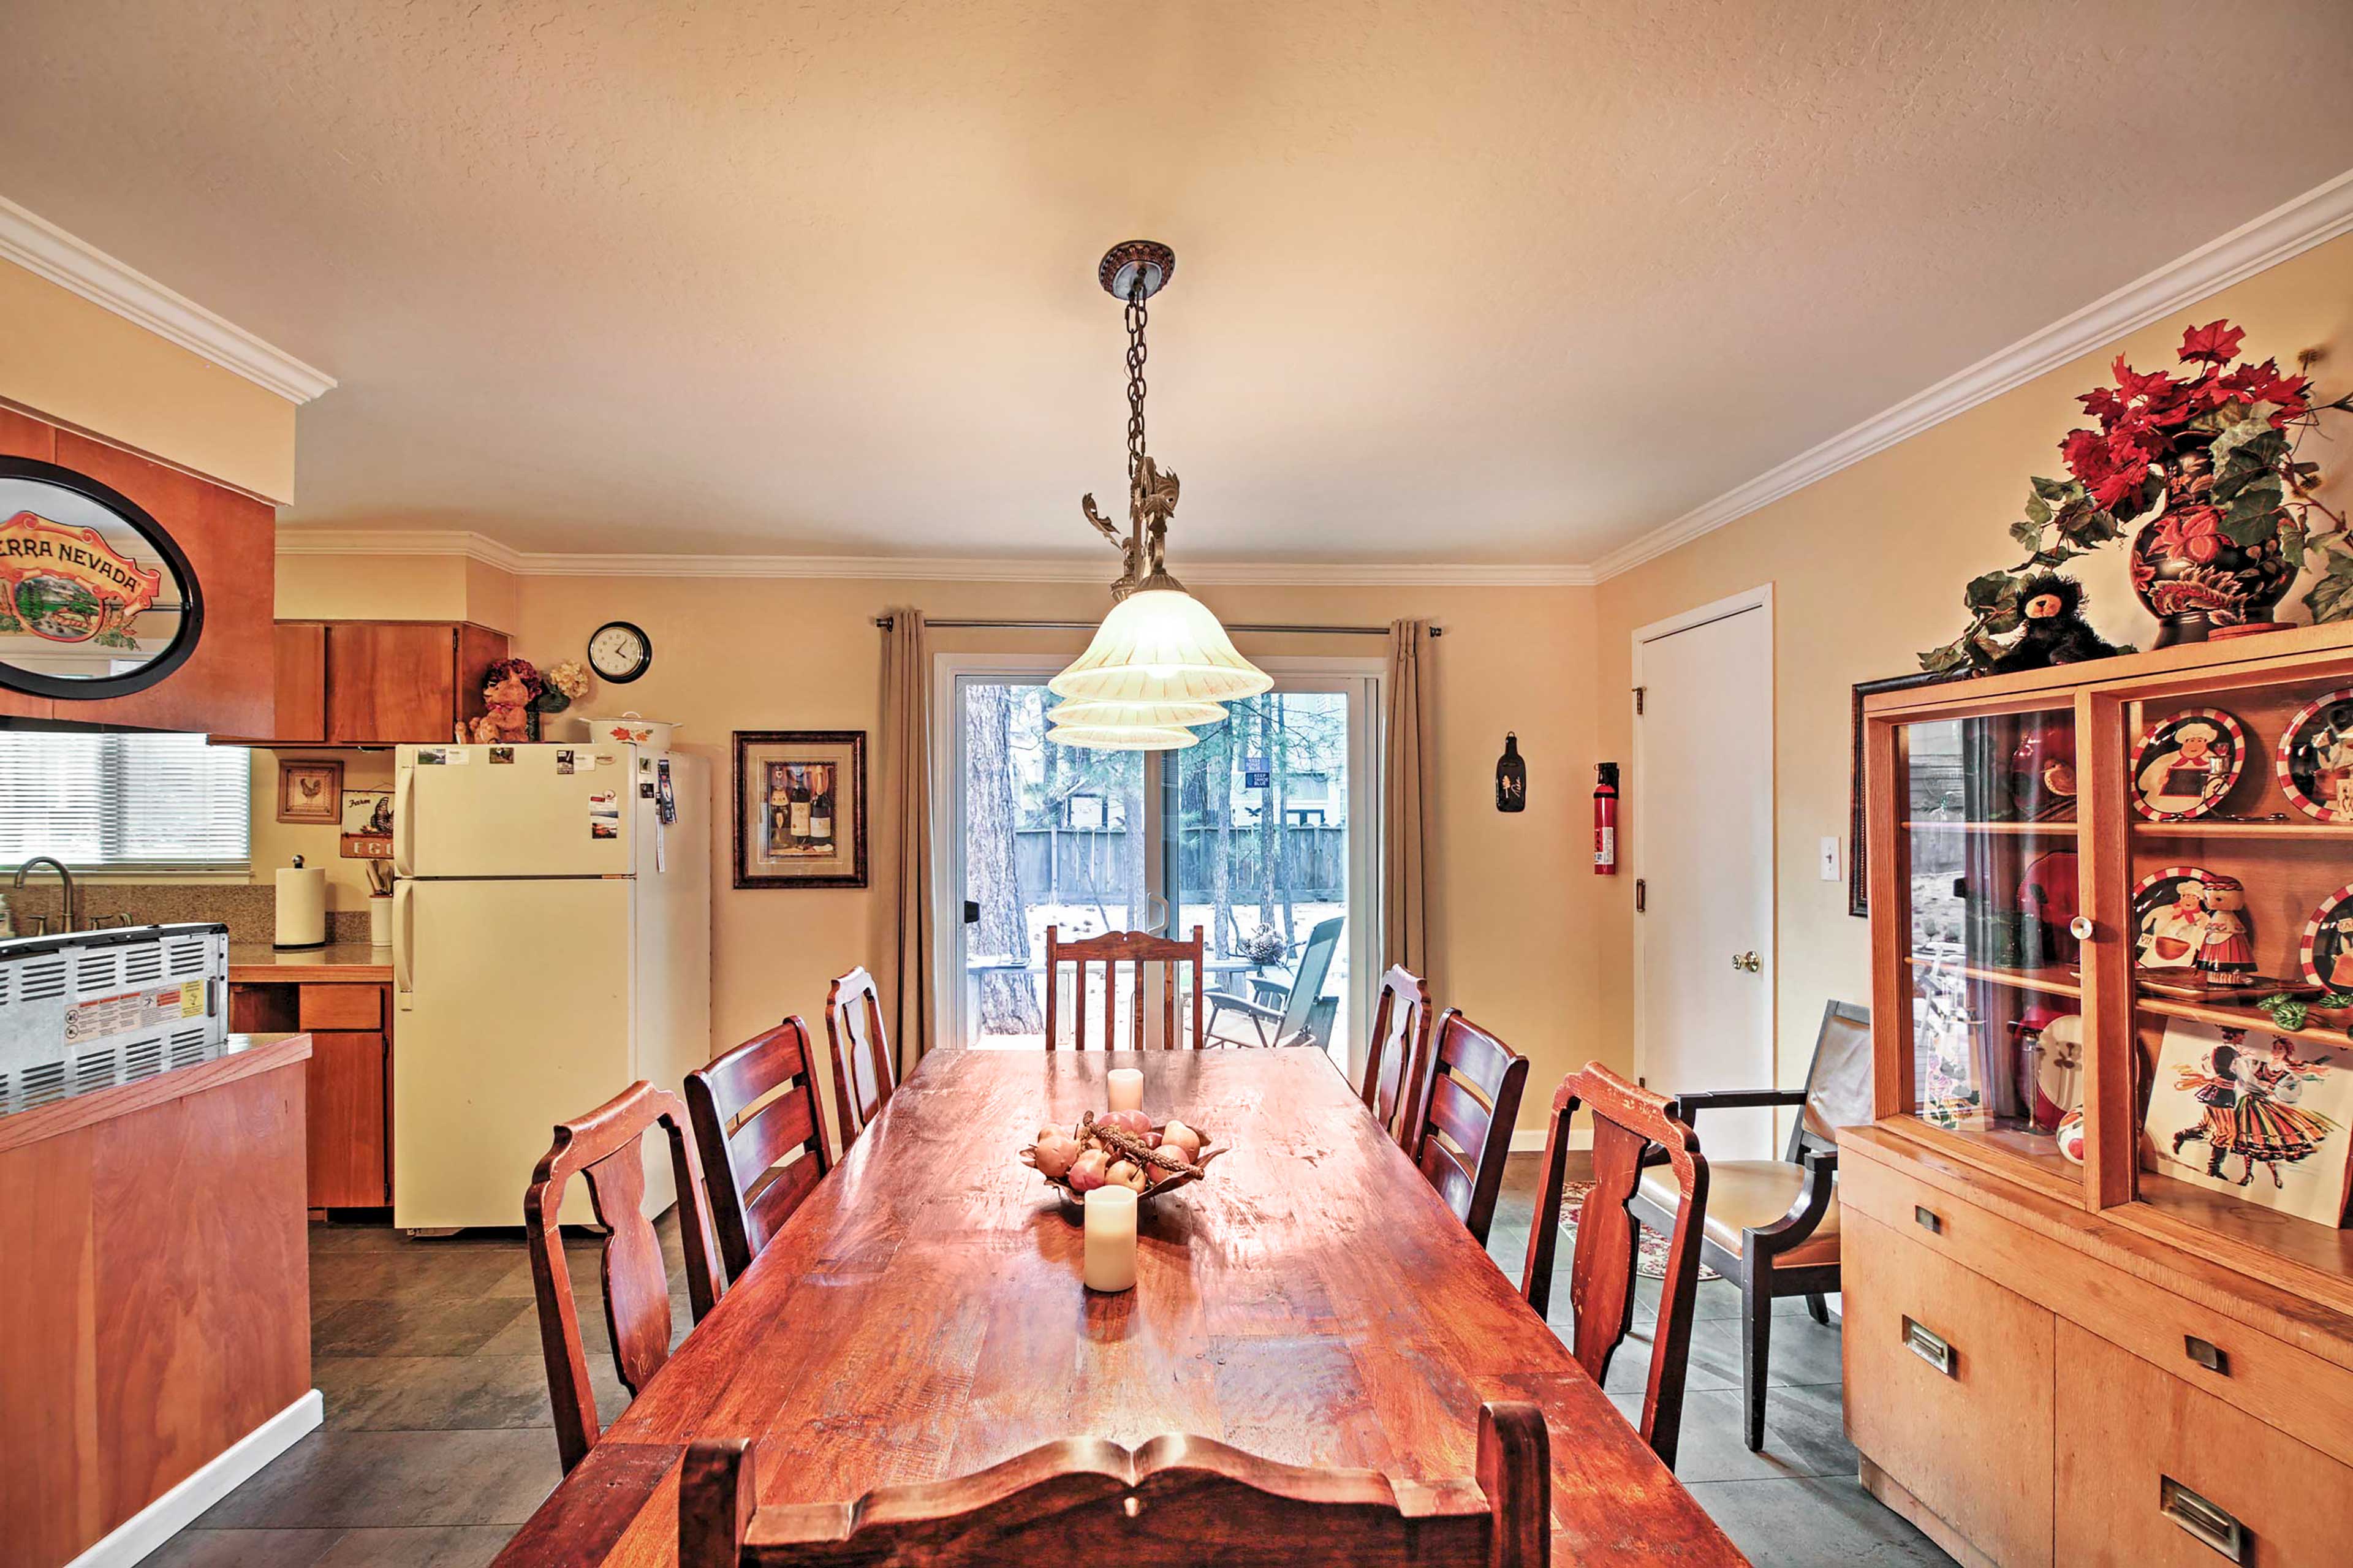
(564, 761)
(665, 798)
(645, 789)
(428, 754)
(503, 754)
(605, 816)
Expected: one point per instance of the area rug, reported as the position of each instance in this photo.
(1653, 1260)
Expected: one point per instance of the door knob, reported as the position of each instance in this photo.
(2081, 928)
(1747, 962)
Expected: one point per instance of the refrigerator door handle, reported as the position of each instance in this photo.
(404, 946)
(403, 799)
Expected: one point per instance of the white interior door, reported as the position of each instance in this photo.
(1702, 804)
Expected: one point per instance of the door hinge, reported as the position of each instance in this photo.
(1642, 895)
(1641, 695)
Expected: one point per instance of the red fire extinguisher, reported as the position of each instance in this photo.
(1605, 821)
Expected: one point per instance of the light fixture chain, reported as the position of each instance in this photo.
(1136, 316)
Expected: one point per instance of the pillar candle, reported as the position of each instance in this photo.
(1126, 1088)
(1111, 1239)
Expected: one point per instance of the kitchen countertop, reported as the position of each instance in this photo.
(236, 1056)
(355, 962)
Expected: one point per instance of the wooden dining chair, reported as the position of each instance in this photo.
(761, 1136)
(1175, 1502)
(1631, 1126)
(863, 1072)
(1465, 1118)
(1137, 949)
(1397, 1058)
(602, 1148)
(1772, 1228)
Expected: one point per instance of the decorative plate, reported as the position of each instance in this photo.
(2185, 763)
(2169, 934)
(2326, 951)
(2069, 1136)
(2315, 760)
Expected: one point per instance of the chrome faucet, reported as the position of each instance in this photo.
(64, 876)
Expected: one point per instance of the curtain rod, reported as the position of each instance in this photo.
(885, 622)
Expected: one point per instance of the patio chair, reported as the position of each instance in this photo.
(1286, 1014)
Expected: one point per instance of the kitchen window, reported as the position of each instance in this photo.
(122, 802)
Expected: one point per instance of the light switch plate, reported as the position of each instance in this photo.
(1830, 858)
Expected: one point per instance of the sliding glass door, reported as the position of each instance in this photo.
(1265, 836)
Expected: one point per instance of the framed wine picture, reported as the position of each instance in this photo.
(801, 808)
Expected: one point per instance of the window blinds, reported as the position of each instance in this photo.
(129, 802)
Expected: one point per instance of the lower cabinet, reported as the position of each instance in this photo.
(348, 1153)
(1949, 1391)
(2155, 1474)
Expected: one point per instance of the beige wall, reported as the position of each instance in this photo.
(394, 588)
(1514, 921)
(1867, 568)
(71, 361)
(276, 843)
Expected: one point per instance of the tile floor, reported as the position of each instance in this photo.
(438, 1445)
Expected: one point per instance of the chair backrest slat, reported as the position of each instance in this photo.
(755, 1109)
(1397, 1058)
(863, 1072)
(602, 1148)
(1175, 1502)
(1110, 950)
(1468, 1058)
(1631, 1126)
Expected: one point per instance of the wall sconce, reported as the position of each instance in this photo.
(1511, 776)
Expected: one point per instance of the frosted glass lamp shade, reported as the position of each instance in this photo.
(1160, 645)
(1138, 715)
(1122, 737)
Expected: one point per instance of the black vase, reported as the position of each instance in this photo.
(2189, 573)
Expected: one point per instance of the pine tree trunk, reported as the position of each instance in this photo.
(1008, 1004)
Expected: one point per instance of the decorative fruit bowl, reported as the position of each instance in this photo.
(1122, 1148)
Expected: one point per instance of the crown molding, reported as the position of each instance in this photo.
(47, 251)
(2318, 215)
(901, 568)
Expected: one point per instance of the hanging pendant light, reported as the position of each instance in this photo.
(1160, 653)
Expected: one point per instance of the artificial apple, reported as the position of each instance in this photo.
(1124, 1173)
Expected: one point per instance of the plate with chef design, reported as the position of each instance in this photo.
(2315, 760)
(2326, 951)
(2169, 913)
(2185, 763)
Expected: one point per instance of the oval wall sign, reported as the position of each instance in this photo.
(96, 599)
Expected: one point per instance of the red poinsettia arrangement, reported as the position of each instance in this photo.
(2237, 422)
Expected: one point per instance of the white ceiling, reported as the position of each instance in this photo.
(1463, 283)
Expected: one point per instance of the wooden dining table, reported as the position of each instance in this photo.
(1309, 1301)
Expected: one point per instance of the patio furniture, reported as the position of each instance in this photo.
(1285, 1014)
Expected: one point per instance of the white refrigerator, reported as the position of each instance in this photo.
(551, 946)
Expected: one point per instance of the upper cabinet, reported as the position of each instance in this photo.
(378, 683)
(227, 540)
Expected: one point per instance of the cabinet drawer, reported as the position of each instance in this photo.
(2305, 1396)
(1948, 1390)
(2127, 1429)
(341, 1007)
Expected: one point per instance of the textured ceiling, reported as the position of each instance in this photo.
(1456, 282)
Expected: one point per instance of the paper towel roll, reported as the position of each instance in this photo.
(301, 906)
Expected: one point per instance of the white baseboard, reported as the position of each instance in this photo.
(1531, 1140)
(142, 1532)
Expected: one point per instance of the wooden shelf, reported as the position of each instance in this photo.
(2283, 830)
(2325, 1250)
(2248, 1018)
(2054, 981)
(1997, 829)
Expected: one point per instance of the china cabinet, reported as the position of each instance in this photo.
(2099, 1222)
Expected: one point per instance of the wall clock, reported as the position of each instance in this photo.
(620, 651)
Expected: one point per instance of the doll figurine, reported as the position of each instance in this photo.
(2225, 951)
(2055, 630)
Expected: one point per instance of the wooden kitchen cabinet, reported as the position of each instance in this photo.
(347, 1143)
(300, 654)
(378, 683)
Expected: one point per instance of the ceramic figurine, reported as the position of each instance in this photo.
(2055, 630)
(2225, 948)
(2173, 935)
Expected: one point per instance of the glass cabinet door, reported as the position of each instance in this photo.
(2239, 801)
(1986, 832)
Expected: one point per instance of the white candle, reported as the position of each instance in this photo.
(1126, 1088)
(1111, 1239)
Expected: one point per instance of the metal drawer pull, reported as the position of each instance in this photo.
(1927, 1220)
(2201, 1519)
(1930, 1347)
(2206, 1353)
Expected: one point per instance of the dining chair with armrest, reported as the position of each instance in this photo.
(1175, 1502)
(1772, 1226)
(1469, 1102)
(761, 1135)
(1634, 1131)
(1286, 1013)
(1112, 949)
(863, 1072)
(1397, 1056)
(602, 1149)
